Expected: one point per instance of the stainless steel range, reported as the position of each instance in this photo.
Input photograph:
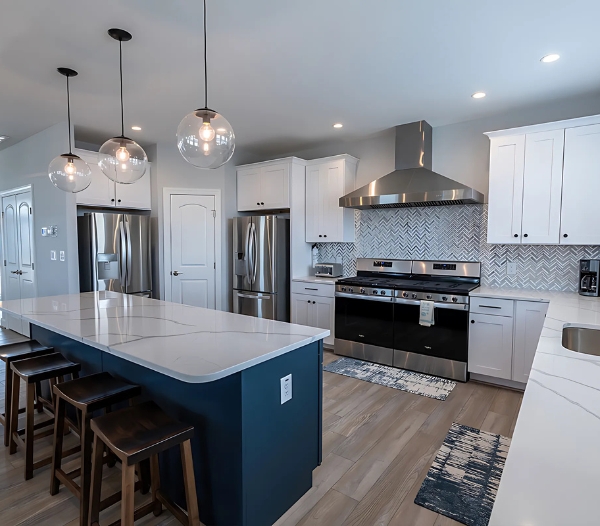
(378, 312)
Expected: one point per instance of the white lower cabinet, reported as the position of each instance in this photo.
(314, 311)
(503, 345)
(530, 317)
(491, 345)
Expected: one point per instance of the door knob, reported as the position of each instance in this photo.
(176, 273)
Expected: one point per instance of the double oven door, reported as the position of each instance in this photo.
(387, 331)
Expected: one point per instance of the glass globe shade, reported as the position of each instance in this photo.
(69, 173)
(122, 160)
(205, 139)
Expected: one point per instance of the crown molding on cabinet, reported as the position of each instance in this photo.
(547, 126)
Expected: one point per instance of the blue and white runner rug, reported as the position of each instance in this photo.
(416, 383)
(463, 480)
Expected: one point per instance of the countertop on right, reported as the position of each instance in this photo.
(552, 473)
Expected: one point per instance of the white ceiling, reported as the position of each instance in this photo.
(283, 71)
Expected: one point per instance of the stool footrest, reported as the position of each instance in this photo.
(179, 513)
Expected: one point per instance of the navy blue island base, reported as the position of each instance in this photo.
(253, 456)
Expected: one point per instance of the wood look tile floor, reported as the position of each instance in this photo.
(378, 444)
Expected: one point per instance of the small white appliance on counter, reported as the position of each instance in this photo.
(328, 270)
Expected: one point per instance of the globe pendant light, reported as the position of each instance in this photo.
(204, 137)
(68, 172)
(122, 159)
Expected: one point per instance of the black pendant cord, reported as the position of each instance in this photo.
(121, 77)
(69, 115)
(205, 67)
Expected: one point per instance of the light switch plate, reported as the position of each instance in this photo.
(53, 255)
(511, 269)
(62, 255)
(286, 388)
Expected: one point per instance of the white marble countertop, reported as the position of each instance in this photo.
(552, 472)
(517, 294)
(316, 279)
(191, 344)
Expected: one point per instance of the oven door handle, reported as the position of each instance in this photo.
(437, 305)
(388, 299)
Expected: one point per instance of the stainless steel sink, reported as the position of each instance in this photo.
(580, 339)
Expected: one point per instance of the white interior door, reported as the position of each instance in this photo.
(192, 250)
(11, 286)
(25, 244)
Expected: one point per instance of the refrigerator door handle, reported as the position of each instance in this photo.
(94, 237)
(128, 261)
(247, 255)
(254, 244)
(122, 256)
(253, 297)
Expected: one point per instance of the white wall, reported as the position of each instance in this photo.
(27, 163)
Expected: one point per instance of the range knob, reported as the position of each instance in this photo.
(383, 292)
(350, 289)
(405, 294)
(414, 295)
(375, 292)
(343, 289)
(428, 296)
(454, 299)
(362, 291)
(444, 298)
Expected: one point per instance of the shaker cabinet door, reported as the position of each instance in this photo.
(491, 345)
(529, 322)
(248, 189)
(507, 159)
(581, 186)
(101, 191)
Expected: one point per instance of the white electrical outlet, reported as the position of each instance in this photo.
(53, 255)
(511, 269)
(286, 388)
(62, 255)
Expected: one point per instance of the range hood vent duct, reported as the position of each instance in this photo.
(412, 183)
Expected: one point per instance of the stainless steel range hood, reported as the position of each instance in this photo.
(413, 183)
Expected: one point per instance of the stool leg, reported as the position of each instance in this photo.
(86, 468)
(7, 404)
(59, 424)
(191, 498)
(155, 479)
(29, 414)
(94, 514)
(128, 494)
(14, 412)
(38, 390)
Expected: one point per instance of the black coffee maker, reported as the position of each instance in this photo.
(589, 277)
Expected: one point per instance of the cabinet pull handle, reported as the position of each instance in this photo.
(472, 321)
(525, 235)
(314, 302)
(320, 235)
(112, 200)
(308, 301)
(258, 204)
(516, 235)
(308, 288)
(325, 235)
(118, 200)
(565, 235)
(489, 307)
(262, 203)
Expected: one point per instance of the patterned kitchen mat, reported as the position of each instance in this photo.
(463, 480)
(409, 381)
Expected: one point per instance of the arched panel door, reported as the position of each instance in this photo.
(11, 284)
(192, 250)
(25, 244)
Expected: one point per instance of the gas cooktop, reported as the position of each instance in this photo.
(410, 283)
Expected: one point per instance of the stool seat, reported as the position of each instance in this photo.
(28, 349)
(135, 433)
(96, 391)
(44, 367)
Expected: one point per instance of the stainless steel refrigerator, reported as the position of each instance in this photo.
(261, 267)
(114, 253)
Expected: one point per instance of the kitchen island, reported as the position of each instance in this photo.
(221, 372)
(552, 471)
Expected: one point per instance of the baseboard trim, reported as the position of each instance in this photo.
(511, 384)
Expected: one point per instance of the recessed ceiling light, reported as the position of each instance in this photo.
(553, 57)
(478, 95)
(4, 137)
(136, 128)
(338, 125)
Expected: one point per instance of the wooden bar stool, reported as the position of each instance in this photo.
(88, 394)
(134, 435)
(32, 371)
(8, 354)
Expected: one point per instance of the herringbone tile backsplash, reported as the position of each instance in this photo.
(457, 233)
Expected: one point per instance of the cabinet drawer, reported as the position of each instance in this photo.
(493, 306)
(314, 289)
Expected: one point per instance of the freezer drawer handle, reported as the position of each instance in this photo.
(253, 297)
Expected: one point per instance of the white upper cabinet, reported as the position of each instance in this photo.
(505, 208)
(326, 181)
(544, 183)
(264, 186)
(542, 187)
(581, 186)
(106, 193)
